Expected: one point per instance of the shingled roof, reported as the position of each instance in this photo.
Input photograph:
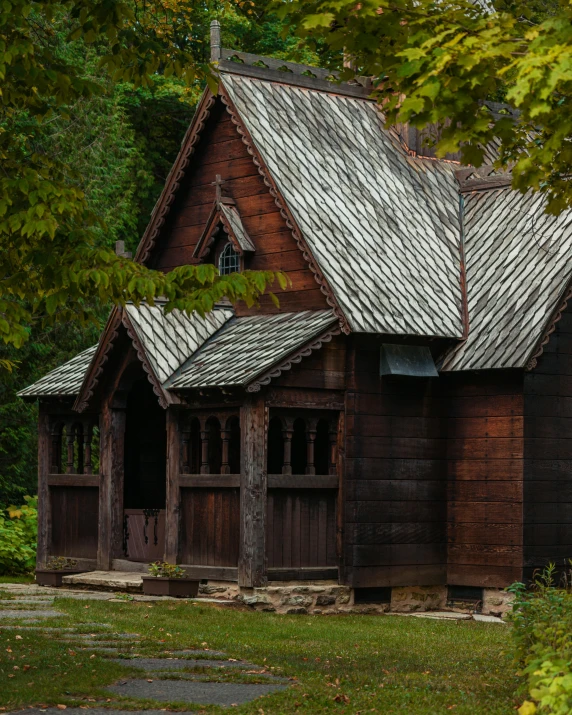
(64, 381)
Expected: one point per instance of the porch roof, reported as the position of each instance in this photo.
(64, 381)
(246, 349)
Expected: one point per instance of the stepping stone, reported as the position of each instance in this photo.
(155, 664)
(444, 616)
(33, 629)
(95, 711)
(107, 634)
(197, 651)
(189, 691)
(111, 580)
(30, 614)
(15, 601)
(488, 619)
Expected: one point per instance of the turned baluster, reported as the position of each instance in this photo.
(310, 442)
(186, 447)
(225, 466)
(332, 467)
(56, 460)
(287, 433)
(87, 437)
(204, 448)
(70, 444)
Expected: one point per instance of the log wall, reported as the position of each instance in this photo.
(548, 453)
(222, 151)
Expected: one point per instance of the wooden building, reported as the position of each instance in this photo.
(404, 418)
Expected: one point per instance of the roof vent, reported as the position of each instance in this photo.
(410, 360)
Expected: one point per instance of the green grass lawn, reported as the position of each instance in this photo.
(29, 578)
(338, 664)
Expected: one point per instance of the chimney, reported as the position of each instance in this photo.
(215, 41)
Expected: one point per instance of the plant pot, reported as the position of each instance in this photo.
(45, 577)
(164, 586)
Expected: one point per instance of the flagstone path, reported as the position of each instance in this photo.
(181, 676)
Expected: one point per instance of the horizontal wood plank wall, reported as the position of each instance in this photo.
(301, 528)
(548, 453)
(395, 486)
(222, 151)
(74, 520)
(210, 527)
(323, 369)
(485, 462)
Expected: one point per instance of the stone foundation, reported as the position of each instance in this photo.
(328, 597)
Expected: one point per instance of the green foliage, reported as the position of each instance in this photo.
(437, 62)
(542, 634)
(163, 569)
(18, 531)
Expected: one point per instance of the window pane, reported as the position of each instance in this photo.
(229, 261)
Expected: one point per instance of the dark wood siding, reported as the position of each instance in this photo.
(210, 526)
(323, 369)
(548, 453)
(74, 518)
(395, 486)
(301, 528)
(222, 151)
(484, 470)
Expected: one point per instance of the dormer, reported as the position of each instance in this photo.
(224, 240)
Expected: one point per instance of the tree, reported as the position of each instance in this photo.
(54, 262)
(438, 62)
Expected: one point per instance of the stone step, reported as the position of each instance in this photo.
(128, 581)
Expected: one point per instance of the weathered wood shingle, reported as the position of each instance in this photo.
(65, 380)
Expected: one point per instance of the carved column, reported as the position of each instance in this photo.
(287, 433)
(333, 435)
(45, 436)
(111, 485)
(204, 447)
(56, 456)
(310, 442)
(173, 507)
(70, 443)
(87, 437)
(225, 466)
(253, 487)
(186, 448)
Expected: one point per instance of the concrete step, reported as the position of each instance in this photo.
(127, 581)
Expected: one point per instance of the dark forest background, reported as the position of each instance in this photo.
(121, 146)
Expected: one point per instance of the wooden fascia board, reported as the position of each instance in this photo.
(294, 358)
(165, 201)
(165, 398)
(207, 236)
(101, 356)
(217, 216)
(283, 207)
(550, 326)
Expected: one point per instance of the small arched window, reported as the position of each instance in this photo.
(229, 261)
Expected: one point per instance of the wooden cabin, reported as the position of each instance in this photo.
(402, 419)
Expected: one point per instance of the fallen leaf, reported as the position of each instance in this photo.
(11, 675)
(26, 667)
(149, 680)
(19, 638)
(92, 656)
(8, 650)
(16, 667)
(72, 652)
(62, 707)
(341, 698)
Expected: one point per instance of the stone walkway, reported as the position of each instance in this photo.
(182, 676)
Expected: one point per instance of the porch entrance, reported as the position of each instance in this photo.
(144, 491)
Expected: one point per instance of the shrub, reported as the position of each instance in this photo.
(163, 569)
(542, 633)
(18, 535)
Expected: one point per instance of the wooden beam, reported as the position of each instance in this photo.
(112, 449)
(253, 430)
(303, 574)
(340, 505)
(73, 480)
(214, 573)
(173, 506)
(187, 481)
(44, 507)
(302, 481)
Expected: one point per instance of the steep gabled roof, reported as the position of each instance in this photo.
(383, 227)
(64, 381)
(247, 348)
(224, 212)
(518, 266)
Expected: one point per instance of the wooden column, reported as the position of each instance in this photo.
(110, 538)
(311, 443)
(253, 483)
(70, 437)
(225, 436)
(44, 510)
(87, 437)
(204, 447)
(287, 433)
(173, 505)
(340, 516)
(333, 435)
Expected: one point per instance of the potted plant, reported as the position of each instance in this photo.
(167, 579)
(56, 568)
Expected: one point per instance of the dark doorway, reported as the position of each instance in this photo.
(145, 449)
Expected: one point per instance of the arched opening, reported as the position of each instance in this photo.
(214, 445)
(299, 447)
(322, 447)
(145, 449)
(233, 427)
(275, 458)
(195, 446)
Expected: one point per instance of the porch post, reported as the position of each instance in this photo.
(253, 482)
(173, 492)
(44, 508)
(111, 485)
